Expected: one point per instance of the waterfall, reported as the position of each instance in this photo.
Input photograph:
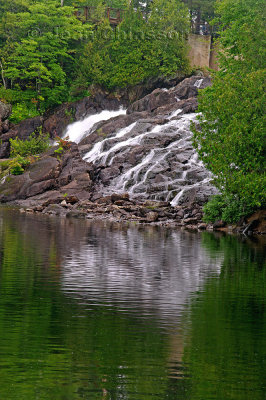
(97, 152)
(162, 172)
(152, 156)
(80, 129)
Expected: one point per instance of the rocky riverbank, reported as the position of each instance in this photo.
(120, 208)
(138, 165)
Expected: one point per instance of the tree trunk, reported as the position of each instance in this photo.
(2, 74)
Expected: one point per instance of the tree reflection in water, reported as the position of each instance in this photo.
(106, 311)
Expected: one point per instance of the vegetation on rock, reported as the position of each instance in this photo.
(23, 153)
(36, 144)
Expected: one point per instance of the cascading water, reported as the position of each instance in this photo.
(97, 153)
(78, 130)
(152, 157)
(163, 171)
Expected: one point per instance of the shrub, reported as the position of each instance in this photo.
(15, 166)
(34, 145)
(228, 208)
(23, 111)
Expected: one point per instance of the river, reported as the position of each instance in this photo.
(96, 310)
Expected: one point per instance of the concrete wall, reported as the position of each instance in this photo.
(201, 53)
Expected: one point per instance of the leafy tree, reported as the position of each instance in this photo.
(138, 49)
(38, 53)
(231, 138)
(201, 10)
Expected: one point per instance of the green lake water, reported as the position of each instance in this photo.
(94, 310)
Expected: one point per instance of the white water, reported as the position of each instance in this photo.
(144, 159)
(175, 114)
(198, 83)
(97, 153)
(136, 178)
(78, 130)
(150, 176)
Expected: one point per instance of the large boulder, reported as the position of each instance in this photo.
(187, 89)
(157, 98)
(68, 174)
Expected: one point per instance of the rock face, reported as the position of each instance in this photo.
(50, 178)
(5, 111)
(145, 152)
(65, 114)
(56, 123)
(148, 152)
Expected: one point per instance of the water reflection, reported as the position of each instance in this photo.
(148, 270)
(106, 311)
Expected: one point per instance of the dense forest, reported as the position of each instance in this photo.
(48, 55)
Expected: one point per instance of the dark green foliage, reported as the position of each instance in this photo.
(226, 348)
(137, 49)
(231, 141)
(48, 56)
(39, 44)
(226, 208)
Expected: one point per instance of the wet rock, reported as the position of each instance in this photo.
(108, 174)
(5, 150)
(180, 214)
(152, 158)
(48, 174)
(152, 216)
(186, 106)
(76, 214)
(55, 209)
(202, 226)
(71, 199)
(104, 200)
(108, 128)
(122, 197)
(4, 126)
(62, 116)
(152, 101)
(187, 88)
(190, 221)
